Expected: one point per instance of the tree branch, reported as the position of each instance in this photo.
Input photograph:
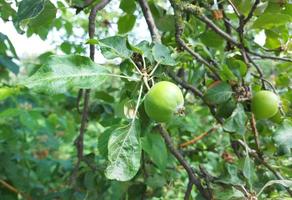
(15, 190)
(259, 70)
(80, 139)
(179, 26)
(192, 177)
(234, 8)
(255, 134)
(150, 21)
(269, 57)
(250, 14)
(196, 139)
(198, 13)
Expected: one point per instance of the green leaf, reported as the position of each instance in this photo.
(227, 74)
(126, 23)
(63, 73)
(102, 142)
(218, 94)
(124, 153)
(28, 9)
(113, 47)
(238, 67)
(128, 6)
(272, 39)
(7, 62)
(212, 39)
(236, 122)
(286, 183)
(66, 47)
(165, 23)
(243, 6)
(145, 49)
(162, 55)
(248, 170)
(271, 20)
(283, 136)
(231, 176)
(154, 146)
(42, 23)
(10, 112)
(6, 10)
(3, 48)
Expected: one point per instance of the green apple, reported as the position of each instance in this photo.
(163, 100)
(265, 104)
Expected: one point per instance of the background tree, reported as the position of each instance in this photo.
(73, 127)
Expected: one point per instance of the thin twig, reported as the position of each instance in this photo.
(15, 190)
(150, 21)
(250, 14)
(269, 57)
(179, 26)
(234, 8)
(228, 27)
(79, 96)
(255, 134)
(154, 69)
(196, 11)
(196, 139)
(184, 84)
(259, 70)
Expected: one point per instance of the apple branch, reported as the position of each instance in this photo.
(150, 21)
(15, 190)
(79, 141)
(196, 139)
(179, 27)
(192, 176)
(250, 14)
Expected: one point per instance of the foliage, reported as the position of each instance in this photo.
(124, 154)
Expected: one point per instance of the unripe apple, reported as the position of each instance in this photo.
(163, 100)
(265, 104)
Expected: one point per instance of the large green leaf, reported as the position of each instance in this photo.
(124, 153)
(236, 122)
(113, 47)
(62, 73)
(155, 147)
(219, 93)
(126, 23)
